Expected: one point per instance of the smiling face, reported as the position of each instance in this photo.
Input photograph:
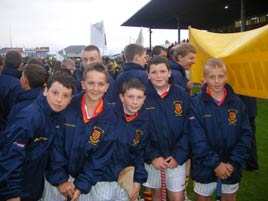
(159, 75)
(95, 85)
(187, 61)
(58, 96)
(132, 100)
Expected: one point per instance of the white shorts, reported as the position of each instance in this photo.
(107, 191)
(51, 193)
(175, 178)
(208, 189)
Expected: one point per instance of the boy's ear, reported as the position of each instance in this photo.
(121, 97)
(24, 82)
(45, 91)
(179, 58)
(136, 57)
(83, 84)
(108, 85)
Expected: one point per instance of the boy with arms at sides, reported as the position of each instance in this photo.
(220, 135)
(81, 151)
(131, 137)
(168, 106)
(29, 137)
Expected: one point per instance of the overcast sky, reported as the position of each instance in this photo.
(60, 23)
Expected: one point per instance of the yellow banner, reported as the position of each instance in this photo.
(245, 55)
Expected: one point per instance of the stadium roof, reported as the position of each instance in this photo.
(201, 14)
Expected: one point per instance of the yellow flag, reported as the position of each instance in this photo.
(245, 55)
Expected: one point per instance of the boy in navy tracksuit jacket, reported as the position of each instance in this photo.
(29, 135)
(85, 146)
(9, 85)
(135, 56)
(220, 135)
(131, 132)
(33, 80)
(168, 107)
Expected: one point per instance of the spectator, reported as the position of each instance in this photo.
(2, 62)
(33, 80)
(9, 85)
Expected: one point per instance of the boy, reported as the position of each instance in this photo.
(220, 135)
(184, 55)
(131, 138)
(91, 54)
(29, 135)
(168, 105)
(9, 85)
(33, 80)
(136, 58)
(81, 151)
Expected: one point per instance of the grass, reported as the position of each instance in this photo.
(254, 185)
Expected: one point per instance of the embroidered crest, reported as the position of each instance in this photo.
(95, 136)
(232, 119)
(178, 107)
(138, 135)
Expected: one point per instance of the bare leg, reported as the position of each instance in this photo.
(176, 196)
(228, 197)
(156, 194)
(202, 198)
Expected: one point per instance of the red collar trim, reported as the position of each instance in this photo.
(96, 112)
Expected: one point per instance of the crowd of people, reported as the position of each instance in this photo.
(68, 129)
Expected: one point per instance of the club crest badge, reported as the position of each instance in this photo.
(96, 134)
(232, 118)
(178, 108)
(138, 135)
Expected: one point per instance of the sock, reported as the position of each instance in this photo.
(147, 195)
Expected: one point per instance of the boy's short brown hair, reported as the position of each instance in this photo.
(63, 77)
(132, 84)
(35, 74)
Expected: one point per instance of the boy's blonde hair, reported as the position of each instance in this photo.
(214, 63)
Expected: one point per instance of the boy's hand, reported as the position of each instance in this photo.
(76, 195)
(14, 199)
(189, 85)
(224, 170)
(172, 163)
(159, 163)
(135, 192)
(66, 189)
(230, 168)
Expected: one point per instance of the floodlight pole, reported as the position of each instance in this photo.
(243, 19)
(150, 38)
(179, 31)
